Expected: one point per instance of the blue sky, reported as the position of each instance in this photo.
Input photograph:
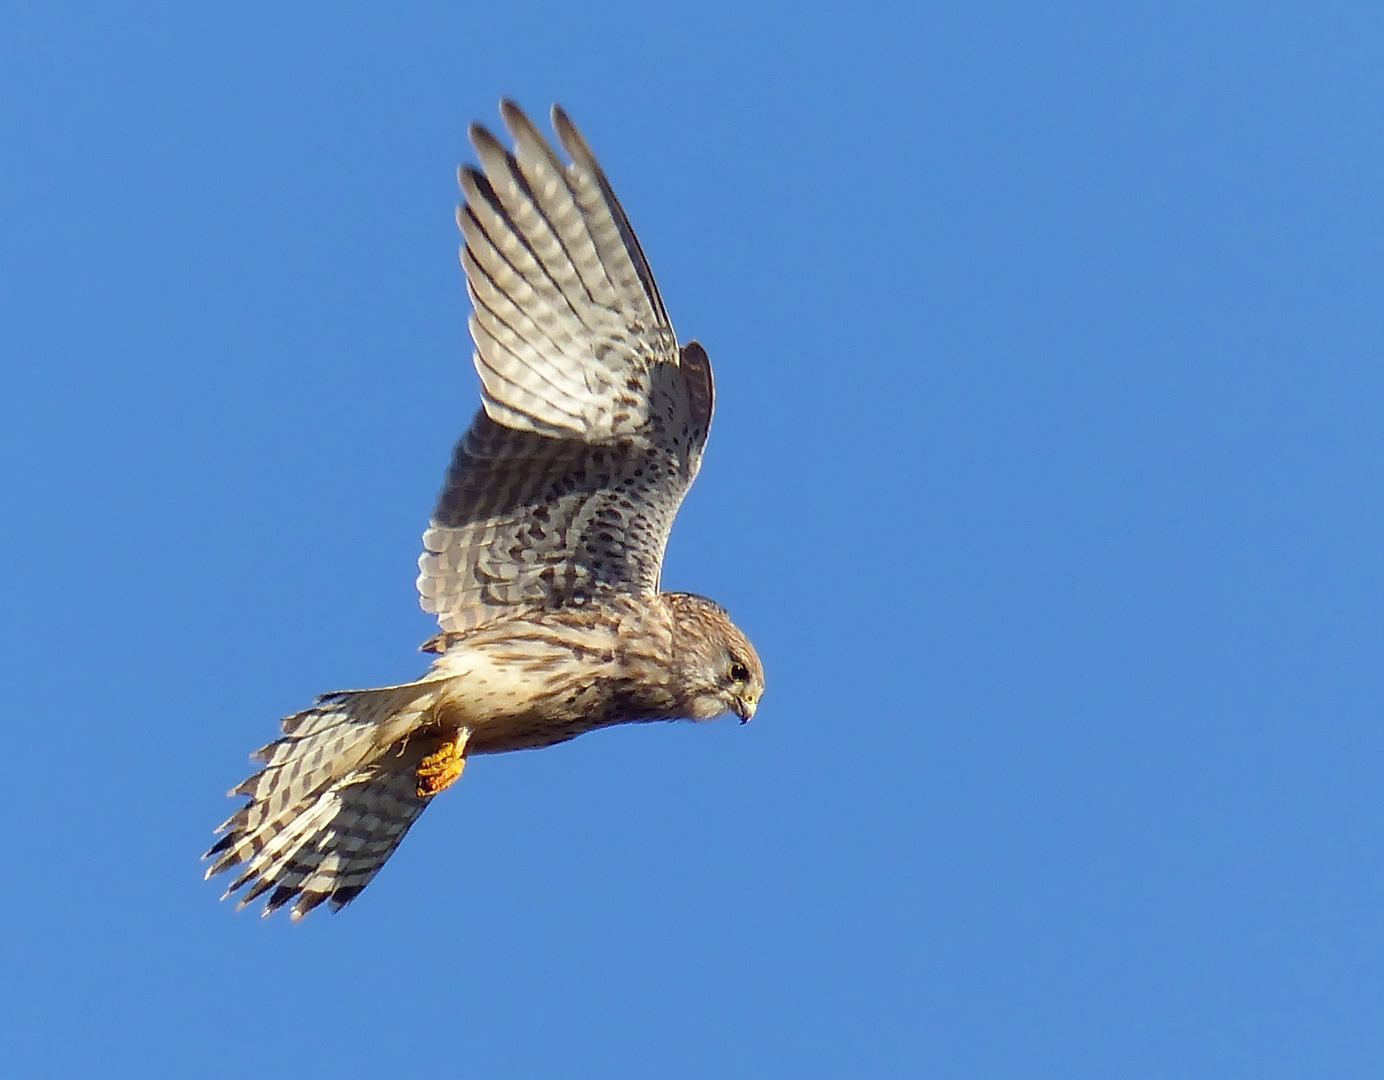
(1046, 477)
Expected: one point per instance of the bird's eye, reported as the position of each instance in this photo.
(739, 672)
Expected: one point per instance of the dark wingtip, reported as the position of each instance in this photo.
(482, 138)
(512, 114)
(570, 137)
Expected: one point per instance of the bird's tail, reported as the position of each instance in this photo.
(336, 795)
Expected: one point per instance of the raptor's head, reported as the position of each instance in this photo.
(718, 667)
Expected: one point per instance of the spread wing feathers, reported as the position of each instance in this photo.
(594, 421)
(567, 320)
(334, 799)
(525, 520)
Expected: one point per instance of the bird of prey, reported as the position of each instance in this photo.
(543, 558)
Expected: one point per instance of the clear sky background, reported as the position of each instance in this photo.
(1046, 476)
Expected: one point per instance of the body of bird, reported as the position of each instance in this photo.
(578, 669)
(543, 558)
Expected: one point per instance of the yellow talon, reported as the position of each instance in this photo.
(442, 768)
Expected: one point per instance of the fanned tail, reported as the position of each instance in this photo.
(335, 797)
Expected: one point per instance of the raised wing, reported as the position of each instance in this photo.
(594, 420)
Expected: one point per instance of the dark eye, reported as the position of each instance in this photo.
(739, 672)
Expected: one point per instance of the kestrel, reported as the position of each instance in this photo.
(542, 560)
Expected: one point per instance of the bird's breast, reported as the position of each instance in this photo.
(535, 688)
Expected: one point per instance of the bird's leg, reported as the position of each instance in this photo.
(442, 768)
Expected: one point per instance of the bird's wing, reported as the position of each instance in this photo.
(594, 420)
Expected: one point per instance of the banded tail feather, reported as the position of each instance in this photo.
(337, 794)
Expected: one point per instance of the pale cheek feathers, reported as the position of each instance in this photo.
(707, 707)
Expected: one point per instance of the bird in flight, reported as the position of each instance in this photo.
(543, 557)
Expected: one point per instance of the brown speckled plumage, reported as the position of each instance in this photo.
(543, 557)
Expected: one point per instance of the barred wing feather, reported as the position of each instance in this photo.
(593, 421)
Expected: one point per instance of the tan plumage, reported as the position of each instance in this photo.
(543, 557)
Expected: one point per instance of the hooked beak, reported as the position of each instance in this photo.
(744, 708)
